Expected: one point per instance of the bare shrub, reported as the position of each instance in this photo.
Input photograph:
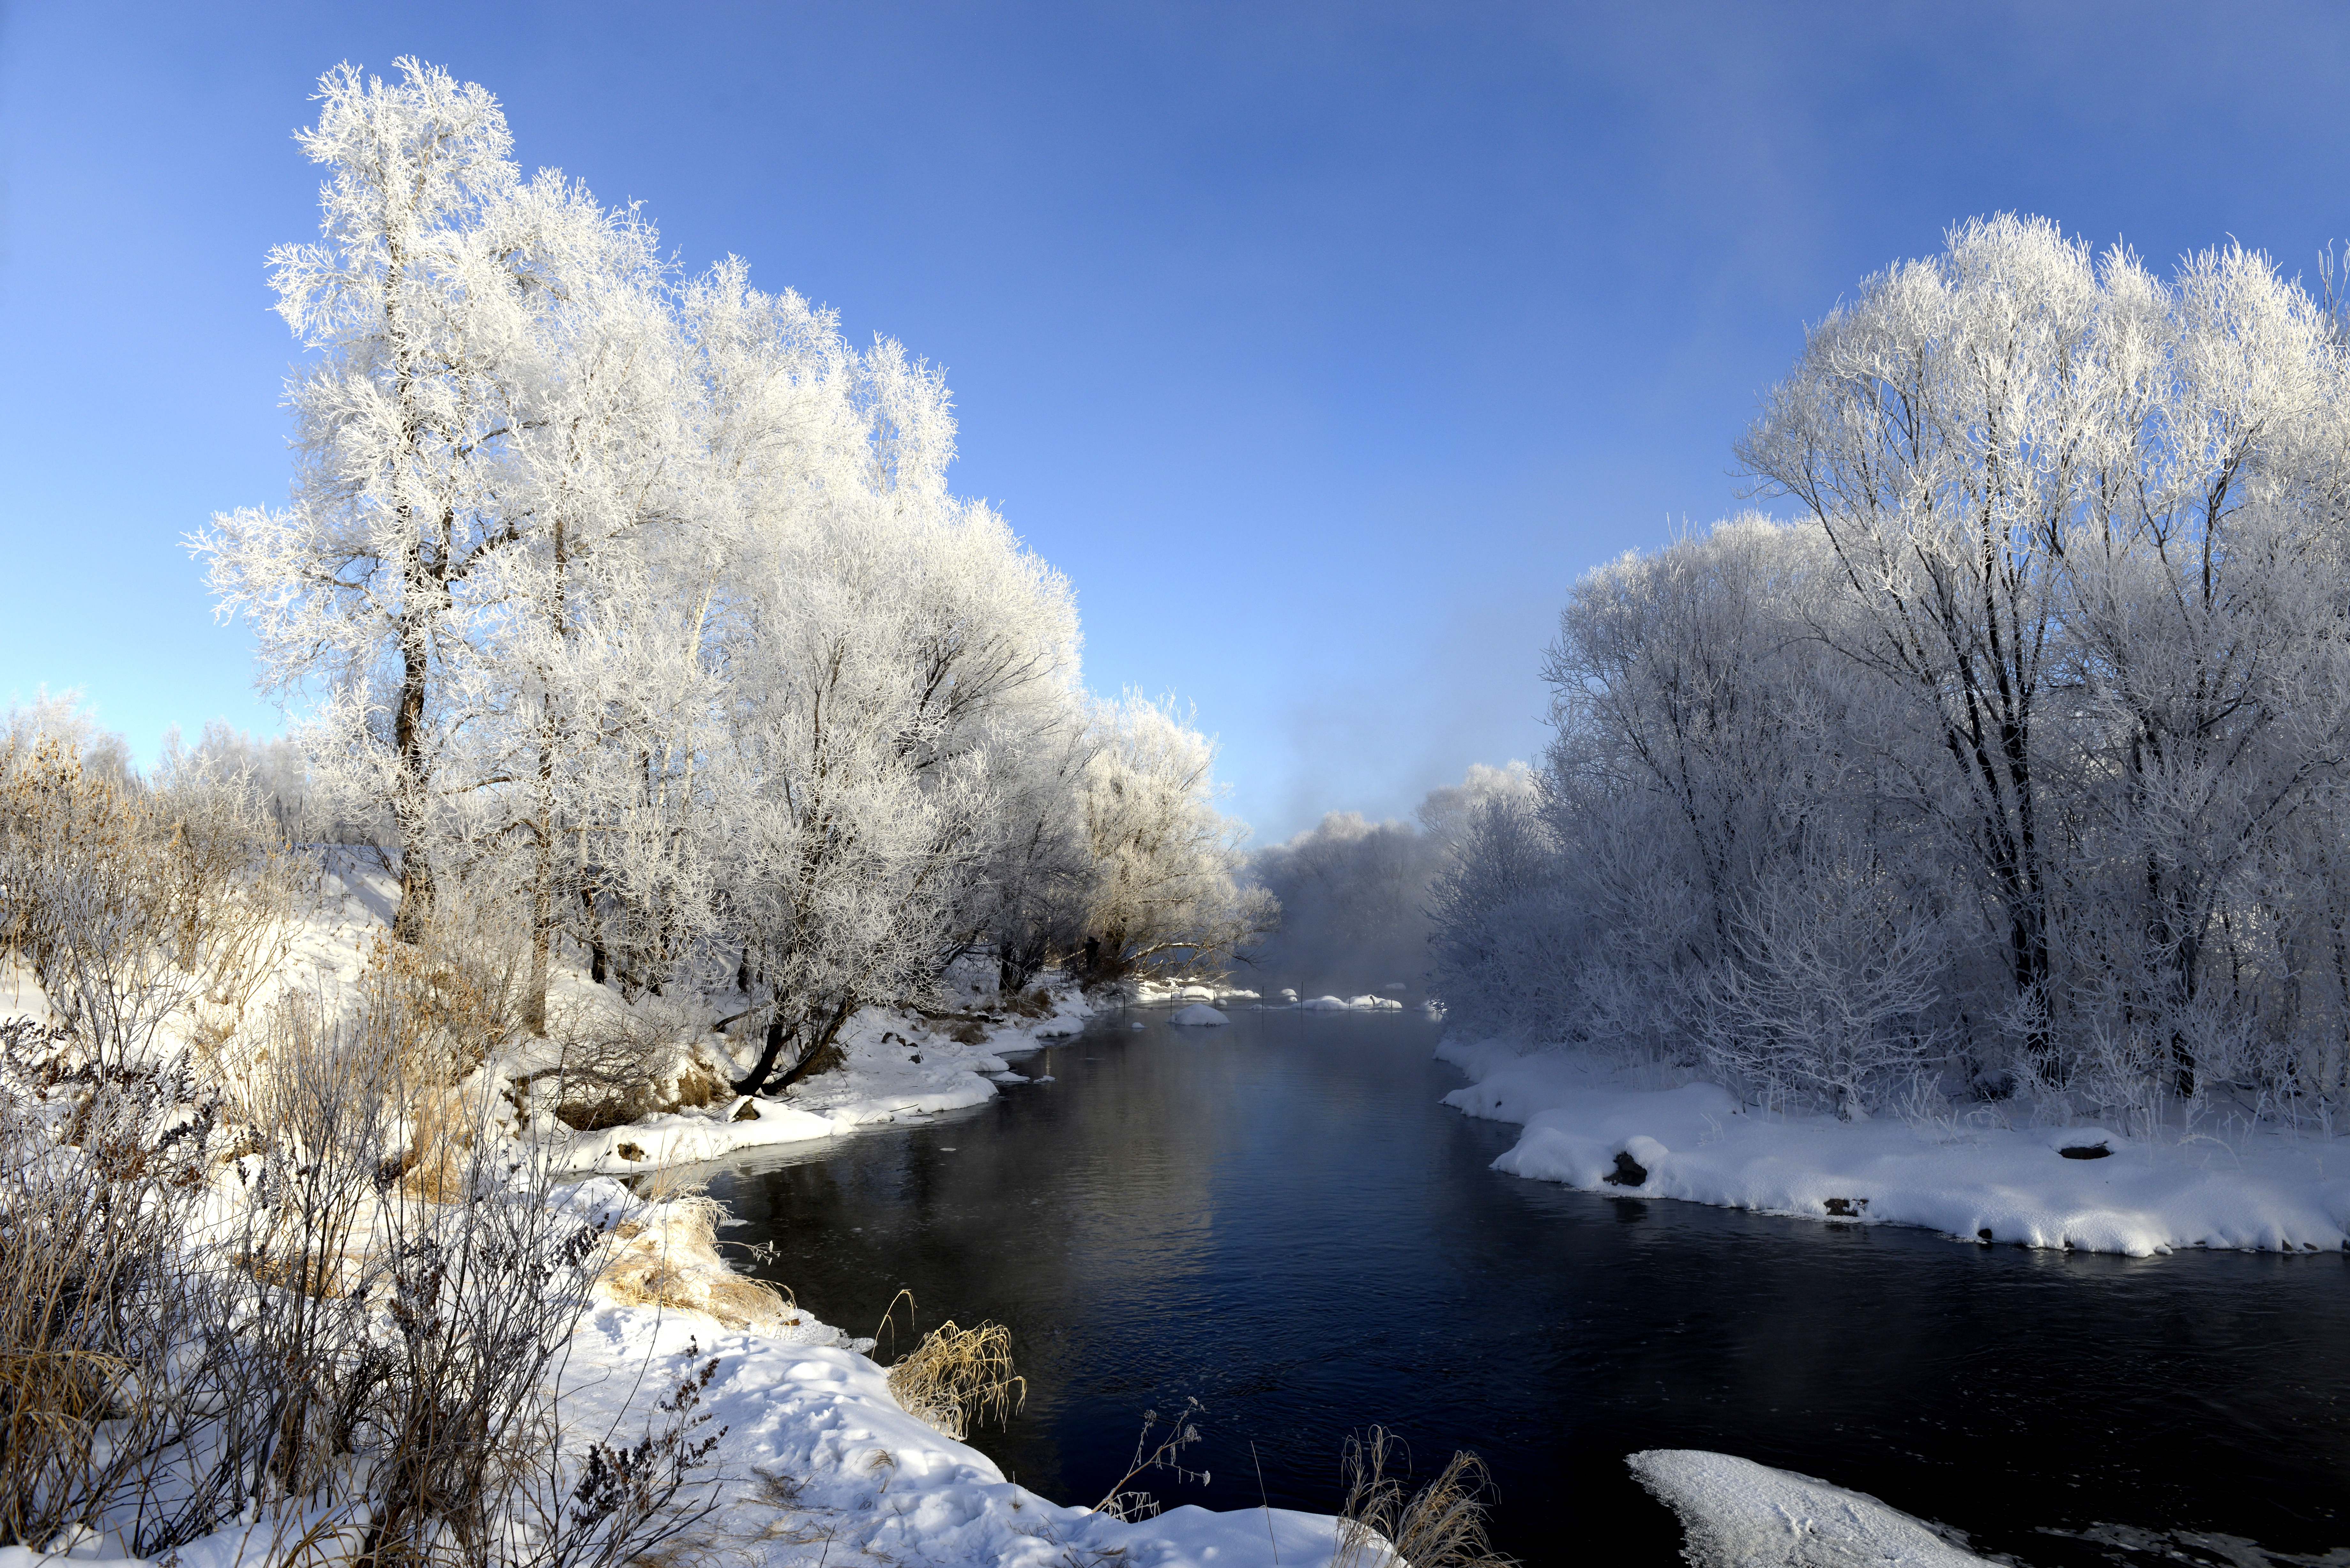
(306, 1365)
(956, 1377)
(227, 884)
(98, 1356)
(79, 900)
(621, 1064)
(1442, 1525)
(130, 903)
(627, 1504)
(1127, 1502)
(364, 1360)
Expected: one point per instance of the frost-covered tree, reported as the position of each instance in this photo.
(1945, 430)
(590, 674)
(1169, 897)
(2202, 598)
(423, 300)
(896, 670)
(642, 604)
(2030, 735)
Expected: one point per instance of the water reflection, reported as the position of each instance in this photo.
(1278, 1218)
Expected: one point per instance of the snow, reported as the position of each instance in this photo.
(1365, 1004)
(1975, 1179)
(898, 1067)
(1735, 1513)
(1199, 1013)
(1167, 993)
(869, 1481)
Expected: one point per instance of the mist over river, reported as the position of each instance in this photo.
(1279, 1219)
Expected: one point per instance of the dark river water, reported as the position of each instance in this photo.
(1279, 1220)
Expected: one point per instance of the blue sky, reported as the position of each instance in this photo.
(1322, 346)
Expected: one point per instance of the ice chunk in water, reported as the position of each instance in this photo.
(1735, 1513)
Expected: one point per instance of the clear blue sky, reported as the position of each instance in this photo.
(1323, 347)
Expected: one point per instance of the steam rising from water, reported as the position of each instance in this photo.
(1354, 893)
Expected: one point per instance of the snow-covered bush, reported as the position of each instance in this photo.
(317, 1299)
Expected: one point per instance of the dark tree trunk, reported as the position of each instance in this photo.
(415, 913)
(755, 1079)
(818, 1056)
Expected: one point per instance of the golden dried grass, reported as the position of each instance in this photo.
(49, 1399)
(957, 1378)
(668, 1258)
(1442, 1525)
(326, 1276)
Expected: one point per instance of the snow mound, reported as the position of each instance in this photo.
(1365, 1004)
(1736, 1513)
(1199, 1013)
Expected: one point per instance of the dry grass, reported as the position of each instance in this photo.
(51, 1402)
(669, 1258)
(440, 1007)
(317, 1275)
(1031, 1003)
(1442, 1525)
(957, 1378)
(437, 1164)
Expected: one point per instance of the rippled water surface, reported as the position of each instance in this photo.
(1278, 1218)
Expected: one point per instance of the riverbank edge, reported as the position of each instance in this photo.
(815, 1459)
(1981, 1179)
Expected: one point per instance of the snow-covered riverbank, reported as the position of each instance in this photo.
(816, 1460)
(1978, 1179)
(897, 1064)
(819, 1463)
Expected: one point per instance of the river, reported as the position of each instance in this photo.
(1279, 1220)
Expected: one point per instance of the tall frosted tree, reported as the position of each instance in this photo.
(419, 300)
(1944, 431)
